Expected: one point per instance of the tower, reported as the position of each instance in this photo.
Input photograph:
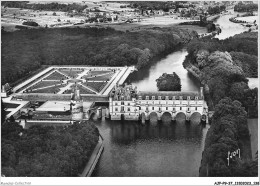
(76, 105)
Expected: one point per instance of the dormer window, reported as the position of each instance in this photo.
(153, 97)
(181, 97)
(159, 97)
(166, 97)
(140, 97)
(147, 97)
(173, 97)
(196, 97)
(188, 97)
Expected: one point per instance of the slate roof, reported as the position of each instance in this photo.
(170, 94)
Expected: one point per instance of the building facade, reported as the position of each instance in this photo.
(126, 103)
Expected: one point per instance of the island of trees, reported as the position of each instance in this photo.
(223, 67)
(46, 151)
(169, 82)
(25, 51)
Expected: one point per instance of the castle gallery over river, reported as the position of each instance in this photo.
(64, 94)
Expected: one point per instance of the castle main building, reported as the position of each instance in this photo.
(126, 103)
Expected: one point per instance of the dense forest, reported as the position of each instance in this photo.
(222, 67)
(228, 128)
(26, 50)
(48, 6)
(46, 151)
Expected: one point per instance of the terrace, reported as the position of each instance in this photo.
(61, 79)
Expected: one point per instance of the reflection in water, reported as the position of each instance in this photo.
(229, 28)
(133, 149)
(145, 79)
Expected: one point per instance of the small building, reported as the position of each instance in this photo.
(6, 89)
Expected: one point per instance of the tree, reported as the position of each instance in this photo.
(3, 113)
(169, 82)
(39, 149)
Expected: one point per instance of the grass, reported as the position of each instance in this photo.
(53, 89)
(11, 105)
(55, 76)
(97, 86)
(42, 84)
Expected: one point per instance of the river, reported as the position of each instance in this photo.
(164, 150)
(229, 28)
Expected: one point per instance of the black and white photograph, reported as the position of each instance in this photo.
(129, 92)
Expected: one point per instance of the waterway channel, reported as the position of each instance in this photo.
(165, 150)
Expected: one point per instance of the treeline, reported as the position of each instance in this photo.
(223, 73)
(240, 7)
(26, 50)
(46, 151)
(216, 9)
(153, 5)
(47, 6)
(240, 46)
(220, 65)
(228, 127)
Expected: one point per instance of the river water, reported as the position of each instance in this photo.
(165, 150)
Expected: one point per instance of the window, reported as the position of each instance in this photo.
(140, 97)
(152, 108)
(180, 108)
(166, 108)
(116, 103)
(196, 108)
(122, 103)
(128, 109)
(128, 104)
(116, 109)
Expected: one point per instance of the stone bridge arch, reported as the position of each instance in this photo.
(166, 117)
(153, 117)
(180, 116)
(195, 117)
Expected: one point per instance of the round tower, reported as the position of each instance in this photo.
(76, 105)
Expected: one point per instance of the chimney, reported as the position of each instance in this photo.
(201, 93)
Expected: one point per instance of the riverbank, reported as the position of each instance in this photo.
(214, 69)
(93, 160)
(253, 131)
